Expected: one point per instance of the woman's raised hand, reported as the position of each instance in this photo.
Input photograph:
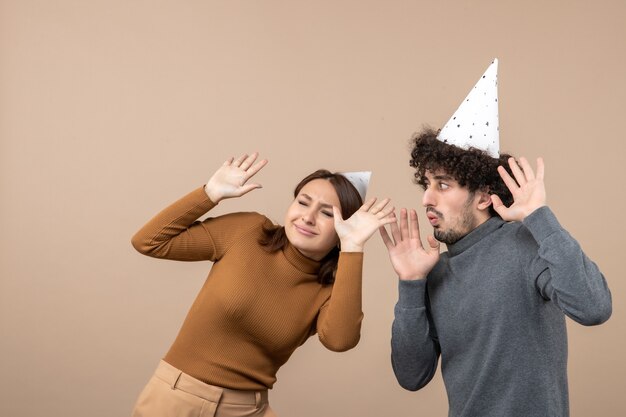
(231, 179)
(356, 230)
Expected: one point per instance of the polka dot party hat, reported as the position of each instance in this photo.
(360, 180)
(475, 123)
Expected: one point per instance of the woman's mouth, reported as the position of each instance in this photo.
(304, 230)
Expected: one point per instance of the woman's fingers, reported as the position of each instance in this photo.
(255, 168)
(237, 163)
(368, 204)
(249, 161)
(337, 214)
(388, 220)
(248, 187)
(376, 209)
(381, 205)
(386, 211)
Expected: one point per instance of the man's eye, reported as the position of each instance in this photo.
(444, 186)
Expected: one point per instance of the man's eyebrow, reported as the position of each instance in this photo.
(444, 177)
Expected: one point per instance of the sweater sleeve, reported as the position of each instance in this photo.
(339, 319)
(175, 233)
(414, 346)
(564, 274)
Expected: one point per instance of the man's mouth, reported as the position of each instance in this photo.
(433, 216)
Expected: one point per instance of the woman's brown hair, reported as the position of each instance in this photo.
(275, 238)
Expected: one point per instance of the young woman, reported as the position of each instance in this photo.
(270, 288)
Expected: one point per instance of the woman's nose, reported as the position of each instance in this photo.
(308, 217)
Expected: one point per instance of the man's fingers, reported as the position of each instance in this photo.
(386, 239)
(528, 170)
(395, 231)
(498, 205)
(540, 169)
(517, 172)
(414, 229)
(433, 243)
(404, 224)
(508, 180)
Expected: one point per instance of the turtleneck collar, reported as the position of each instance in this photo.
(475, 235)
(299, 261)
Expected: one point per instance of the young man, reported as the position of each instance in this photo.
(493, 306)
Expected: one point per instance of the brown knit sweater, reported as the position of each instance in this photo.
(255, 307)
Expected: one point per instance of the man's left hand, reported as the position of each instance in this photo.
(528, 190)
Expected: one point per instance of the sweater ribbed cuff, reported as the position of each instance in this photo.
(203, 198)
(542, 223)
(411, 293)
(353, 256)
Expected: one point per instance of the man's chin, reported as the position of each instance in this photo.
(447, 237)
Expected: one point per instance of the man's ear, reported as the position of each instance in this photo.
(484, 200)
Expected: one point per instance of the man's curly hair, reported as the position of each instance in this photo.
(471, 168)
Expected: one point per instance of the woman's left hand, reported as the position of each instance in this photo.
(356, 230)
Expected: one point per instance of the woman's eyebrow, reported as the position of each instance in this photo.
(308, 197)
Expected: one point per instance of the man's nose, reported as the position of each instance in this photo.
(428, 199)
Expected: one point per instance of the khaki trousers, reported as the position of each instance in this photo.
(172, 393)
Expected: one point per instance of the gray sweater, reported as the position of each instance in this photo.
(493, 308)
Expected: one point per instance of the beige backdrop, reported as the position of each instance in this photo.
(111, 109)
